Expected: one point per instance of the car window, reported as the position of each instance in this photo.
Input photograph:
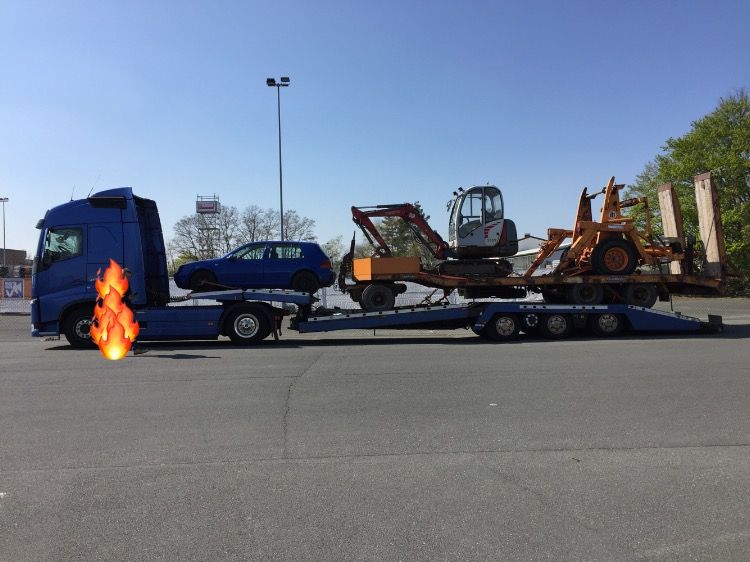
(285, 252)
(63, 243)
(252, 252)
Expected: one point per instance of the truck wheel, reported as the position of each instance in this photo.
(606, 325)
(377, 298)
(644, 295)
(201, 281)
(305, 282)
(614, 256)
(247, 325)
(76, 327)
(556, 326)
(502, 327)
(584, 293)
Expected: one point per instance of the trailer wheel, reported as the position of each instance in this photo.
(377, 298)
(607, 325)
(305, 282)
(644, 295)
(530, 323)
(614, 256)
(502, 327)
(556, 326)
(76, 327)
(553, 295)
(247, 325)
(201, 281)
(584, 293)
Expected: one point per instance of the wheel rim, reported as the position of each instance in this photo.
(616, 259)
(246, 325)
(505, 326)
(82, 328)
(531, 320)
(557, 324)
(608, 323)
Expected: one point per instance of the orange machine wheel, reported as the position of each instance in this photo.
(614, 256)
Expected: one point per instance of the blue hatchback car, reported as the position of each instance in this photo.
(301, 266)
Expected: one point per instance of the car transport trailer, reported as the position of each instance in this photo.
(248, 316)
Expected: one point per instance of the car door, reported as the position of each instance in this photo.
(244, 268)
(283, 260)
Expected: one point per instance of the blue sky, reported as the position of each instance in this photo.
(390, 101)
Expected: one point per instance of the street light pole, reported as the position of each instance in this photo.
(3, 200)
(282, 83)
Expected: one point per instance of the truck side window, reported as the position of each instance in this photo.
(63, 243)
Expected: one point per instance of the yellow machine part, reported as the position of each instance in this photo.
(371, 269)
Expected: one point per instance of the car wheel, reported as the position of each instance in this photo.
(247, 325)
(202, 281)
(305, 282)
(76, 327)
(377, 298)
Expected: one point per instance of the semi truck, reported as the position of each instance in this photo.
(78, 239)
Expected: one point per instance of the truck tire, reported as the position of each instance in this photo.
(502, 327)
(201, 281)
(556, 326)
(76, 327)
(640, 294)
(377, 298)
(614, 256)
(584, 293)
(607, 325)
(246, 325)
(553, 295)
(305, 282)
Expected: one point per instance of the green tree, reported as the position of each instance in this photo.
(402, 240)
(719, 143)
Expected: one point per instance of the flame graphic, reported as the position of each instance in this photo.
(113, 328)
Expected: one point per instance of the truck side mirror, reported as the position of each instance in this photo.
(46, 258)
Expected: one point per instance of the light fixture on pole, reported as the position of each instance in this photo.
(282, 83)
(3, 200)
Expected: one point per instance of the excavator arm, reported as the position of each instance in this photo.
(430, 239)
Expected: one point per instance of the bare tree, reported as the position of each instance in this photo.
(206, 236)
(298, 228)
(258, 224)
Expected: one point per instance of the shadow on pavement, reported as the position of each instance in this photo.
(157, 349)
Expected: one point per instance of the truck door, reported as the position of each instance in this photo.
(61, 270)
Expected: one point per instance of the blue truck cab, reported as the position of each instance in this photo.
(76, 240)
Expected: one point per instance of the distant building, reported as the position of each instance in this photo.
(14, 257)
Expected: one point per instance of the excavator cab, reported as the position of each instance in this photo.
(478, 227)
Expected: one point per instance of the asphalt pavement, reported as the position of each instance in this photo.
(393, 446)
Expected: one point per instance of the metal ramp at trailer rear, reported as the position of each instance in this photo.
(505, 320)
